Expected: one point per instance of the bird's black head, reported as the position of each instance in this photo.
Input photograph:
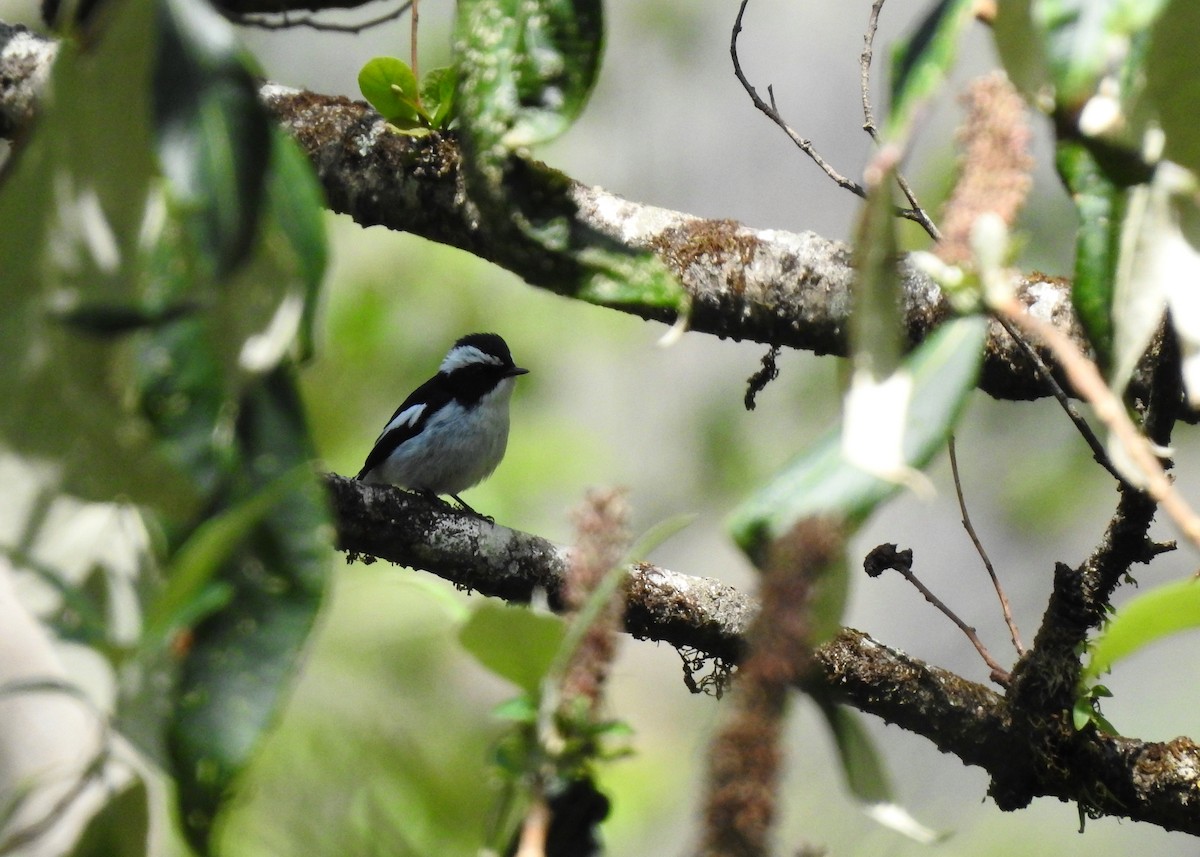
(477, 363)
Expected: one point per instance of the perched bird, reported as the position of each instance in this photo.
(450, 433)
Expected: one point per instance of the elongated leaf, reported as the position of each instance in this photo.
(212, 133)
(1100, 203)
(862, 766)
(865, 775)
(525, 71)
(297, 206)
(1172, 71)
(822, 482)
(242, 657)
(1019, 44)
(1160, 262)
(921, 64)
(207, 549)
(1150, 617)
(528, 66)
(514, 643)
(877, 322)
(73, 286)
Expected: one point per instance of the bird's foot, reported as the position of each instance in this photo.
(466, 508)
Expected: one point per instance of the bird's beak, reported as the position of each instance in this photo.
(516, 370)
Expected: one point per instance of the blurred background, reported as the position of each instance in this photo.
(384, 747)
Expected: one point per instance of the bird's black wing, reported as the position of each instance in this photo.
(390, 438)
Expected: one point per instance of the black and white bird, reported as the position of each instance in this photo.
(451, 432)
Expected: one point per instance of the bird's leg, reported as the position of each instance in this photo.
(466, 508)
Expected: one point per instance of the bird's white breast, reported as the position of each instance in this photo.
(458, 447)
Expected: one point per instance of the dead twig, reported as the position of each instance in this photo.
(1005, 607)
(916, 213)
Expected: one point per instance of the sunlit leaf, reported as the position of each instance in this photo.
(528, 66)
(73, 204)
(1100, 204)
(391, 88)
(525, 71)
(1152, 616)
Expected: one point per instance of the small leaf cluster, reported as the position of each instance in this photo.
(413, 107)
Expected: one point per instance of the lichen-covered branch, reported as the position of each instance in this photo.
(769, 286)
(1157, 782)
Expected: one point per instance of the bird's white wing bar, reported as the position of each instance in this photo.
(406, 417)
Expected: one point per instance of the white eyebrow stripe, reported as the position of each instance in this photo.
(467, 355)
(406, 417)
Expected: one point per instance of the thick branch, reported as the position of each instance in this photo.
(1145, 781)
(769, 286)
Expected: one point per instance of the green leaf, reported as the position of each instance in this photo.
(297, 204)
(1100, 203)
(212, 133)
(1084, 40)
(391, 88)
(525, 71)
(438, 94)
(121, 828)
(519, 709)
(206, 550)
(865, 774)
(876, 320)
(1019, 44)
(514, 643)
(821, 482)
(528, 66)
(862, 766)
(1172, 71)
(1150, 617)
(242, 658)
(921, 64)
(1082, 713)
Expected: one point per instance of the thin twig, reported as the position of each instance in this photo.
(864, 68)
(772, 113)
(999, 674)
(1005, 608)
(1088, 382)
(916, 212)
(412, 36)
(1099, 453)
(287, 22)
